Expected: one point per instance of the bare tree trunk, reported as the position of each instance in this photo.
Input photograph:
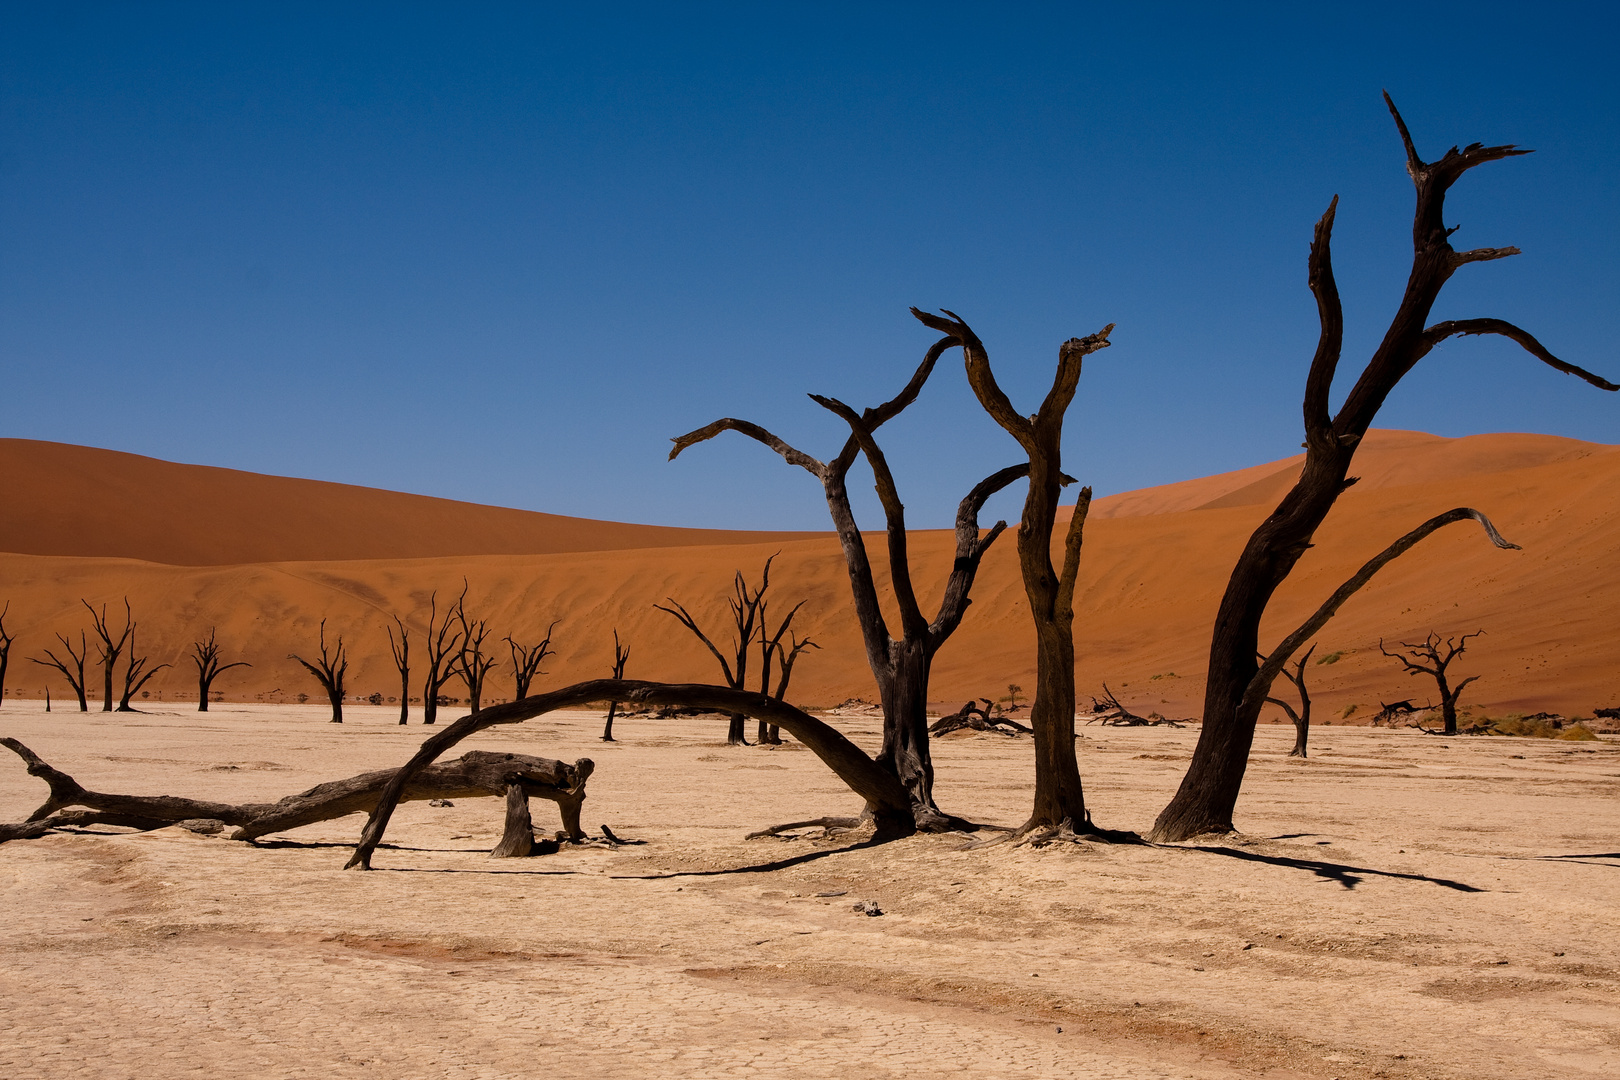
(110, 649)
(74, 674)
(442, 647)
(330, 671)
(5, 650)
(621, 657)
(136, 675)
(205, 654)
(401, 651)
(1233, 695)
(1430, 649)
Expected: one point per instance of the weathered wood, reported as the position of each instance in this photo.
(205, 654)
(971, 717)
(1430, 649)
(474, 774)
(1301, 719)
(330, 671)
(517, 841)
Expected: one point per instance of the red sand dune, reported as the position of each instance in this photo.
(1155, 564)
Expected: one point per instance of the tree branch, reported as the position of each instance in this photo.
(1330, 339)
(755, 432)
(1439, 332)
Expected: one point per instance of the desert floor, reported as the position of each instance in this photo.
(1399, 905)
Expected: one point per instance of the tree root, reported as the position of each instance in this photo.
(828, 826)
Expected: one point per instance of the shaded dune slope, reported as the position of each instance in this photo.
(1155, 565)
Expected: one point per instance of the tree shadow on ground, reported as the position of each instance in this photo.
(1347, 876)
(756, 868)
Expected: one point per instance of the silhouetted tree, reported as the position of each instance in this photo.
(1439, 657)
(401, 651)
(471, 663)
(75, 674)
(621, 657)
(1302, 718)
(1059, 797)
(1237, 686)
(5, 650)
(771, 649)
(136, 675)
(205, 654)
(109, 648)
(443, 646)
(745, 607)
(330, 670)
(899, 665)
(526, 662)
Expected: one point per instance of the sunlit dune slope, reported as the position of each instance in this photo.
(76, 500)
(1150, 582)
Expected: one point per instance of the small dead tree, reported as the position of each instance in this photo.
(136, 675)
(971, 717)
(1439, 656)
(746, 608)
(443, 646)
(621, 657)
(1237, 686)
(74, 674)
(1108, 712)
(401, 651)
(1302, 718)
(471, 664)
(900, 666)
(205, 654)
(110, 649)
(330, 671)
(526, 661)
(773, 649)
(5, 650)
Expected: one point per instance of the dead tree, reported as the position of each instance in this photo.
(473, 775)
(110, 649)
(1237, 685)
(971, 717)
(889, 804)
(900, 665)
(1439, 658)
(470, 664)
(772, 648)
(1059, 797)
(330, 670)
(401, 651)
(5, 650)
(1302, 718)
(443, 646)
(526, 661)
(136, 675)
(747, 607)
(75, 674)
(205, 654)
(1108, 712)
(621, 657)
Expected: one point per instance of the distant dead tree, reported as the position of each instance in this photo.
(1108, 712)
(75, 674)
(1439, 656)
(785, 656)
(746, 606)
(1059, 797)
(526, 661)
(443, 646)
(205, 654)
(1302, 718)
(109, 648)
(471, 664)
(330, 670)
(621, 657)
(1238, 685)
(401, 651)
(136, 675)
(5, 650)
(901, 665)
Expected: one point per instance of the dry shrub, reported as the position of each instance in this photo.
(1533, 728)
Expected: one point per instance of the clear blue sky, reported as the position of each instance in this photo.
(504, 253)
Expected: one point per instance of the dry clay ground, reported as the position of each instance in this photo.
(1399, 905)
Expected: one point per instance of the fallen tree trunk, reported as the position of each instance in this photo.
(473, 775)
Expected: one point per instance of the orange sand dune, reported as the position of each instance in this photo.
(1150, 583)
(76, 500)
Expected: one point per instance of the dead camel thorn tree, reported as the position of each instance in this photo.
(471, 664)
(772, 649)
(443, 646)
(1302, 718)
(1237, 685)
(5, 650)
(330, 670)
(136, 675)
(621, 657)
(401, 652)
(1439, 657)
(1059, 797)
(205, 654)
(526, 661)
(110, 649)
(75, 674)
(747, 606)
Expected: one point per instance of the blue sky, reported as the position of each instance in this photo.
(505, 253)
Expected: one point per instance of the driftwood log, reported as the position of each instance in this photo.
(479, 773)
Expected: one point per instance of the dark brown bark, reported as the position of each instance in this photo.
(205, 654)
(5, 650)
(136, 675)
(900, 665)
(401, 651)
(517, 839)
(443, 646)
(1237, 686)
(526, 661)
(330, 670)
(471, 665)
(1439, 657)
(886, 801)
(1302, 718)
(971, 717)
(110, 649)
(74, 675)
(1059, 795)
(747, 611)
(772, 649)
(621, 657)
(473, 775)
